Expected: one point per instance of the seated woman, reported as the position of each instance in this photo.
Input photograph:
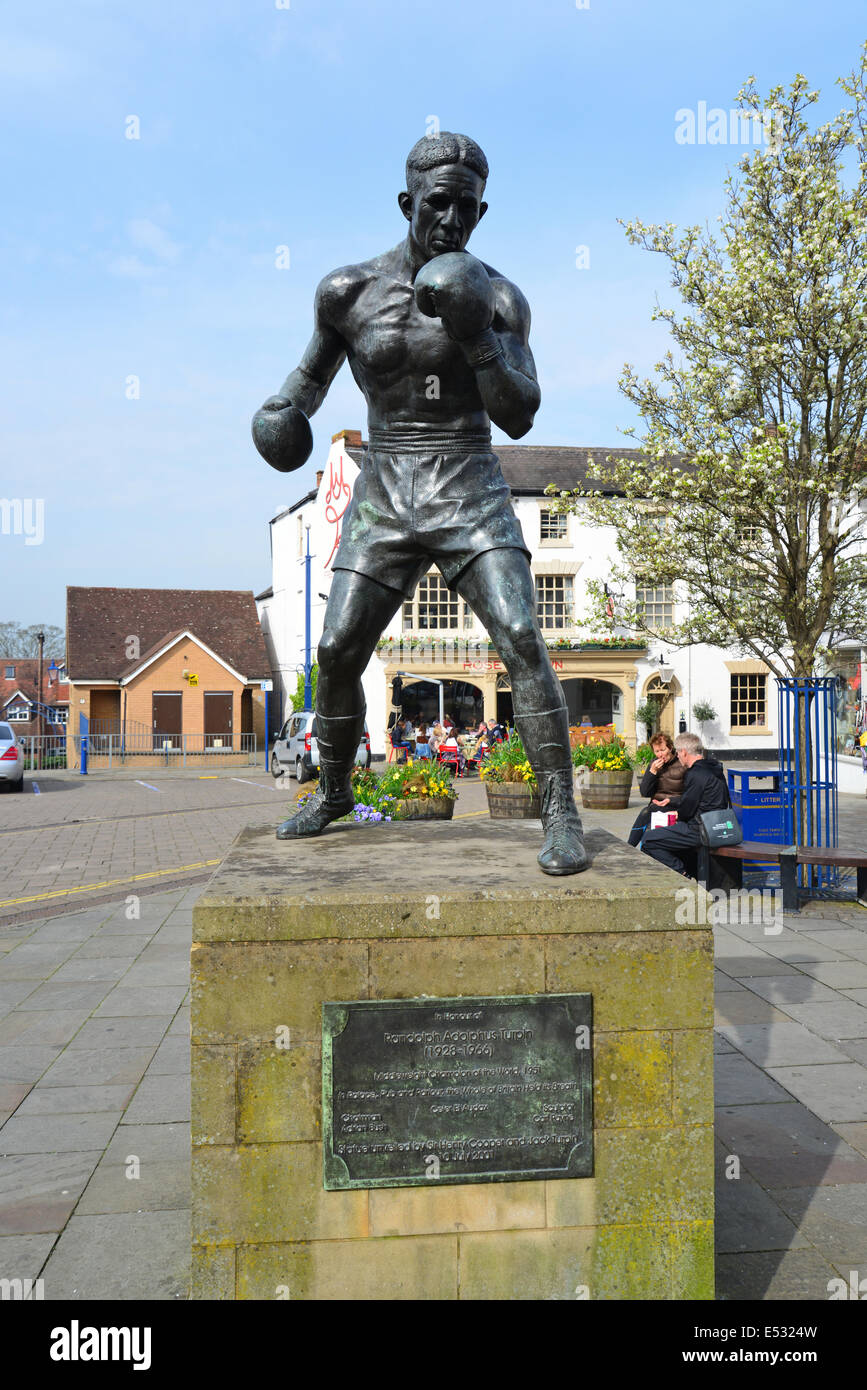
(422, 741)
(662, 782)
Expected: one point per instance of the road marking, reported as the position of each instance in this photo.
(207, 776)
(464, 815)
(147, 784)
(35, 786)
(109, 883)
(262, 786)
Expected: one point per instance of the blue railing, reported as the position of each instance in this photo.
(808, 769)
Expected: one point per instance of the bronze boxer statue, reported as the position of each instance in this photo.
(438, 344)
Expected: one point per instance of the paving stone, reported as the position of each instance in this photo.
(38, 1192)
(834, 1219)
(146, 1031)
(102, 947)
(75, 1100)
(738, 1081)
(856, 1048)
(854, 1134)
(12, 1093)
(89, 969)
(163, 1184)
(26, 1063)
(127, 1256)
(858, 996)
(837, 1020)
(128, 1003)
(48, 1027)
(58, 1133)
(773, 1276)
(13, 992)
(724, 984)
(780, 1044)
(745, 1008)
(721, 1044)
(839, 974)
(831, 1092)
(792, 989)
(181, 1023)
(748, 1219)
(160, 1100)
(113, 1066)
(34, 962)
(785, 1145)
(172, 1058)
(158, 973)
(66, 996)
(22, 1257)
(745, 967)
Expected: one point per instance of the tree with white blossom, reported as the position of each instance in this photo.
(749, 487)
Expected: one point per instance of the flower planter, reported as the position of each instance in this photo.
(424, 808)
(606, 791)
(513, 801)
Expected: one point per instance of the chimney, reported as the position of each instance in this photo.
(319, 473)
(351, 438)
(770, 431)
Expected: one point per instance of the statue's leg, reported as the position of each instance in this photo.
(358, 610)
(499, 588)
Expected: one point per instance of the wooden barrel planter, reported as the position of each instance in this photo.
(606, 791)
(424, 808)
(513, 801)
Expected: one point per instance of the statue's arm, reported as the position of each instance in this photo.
(281, 428)
(503, 363)
(307, 386)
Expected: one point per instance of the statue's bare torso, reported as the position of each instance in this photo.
(409, 370)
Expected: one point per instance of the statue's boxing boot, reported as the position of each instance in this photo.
(545, 736)
(338, 738)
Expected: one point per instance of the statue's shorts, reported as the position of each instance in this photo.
(422, 500)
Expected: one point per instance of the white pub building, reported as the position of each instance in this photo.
(436, 645)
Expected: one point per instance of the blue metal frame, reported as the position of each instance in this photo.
(813, 799)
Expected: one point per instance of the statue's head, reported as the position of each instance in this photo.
(445, 180)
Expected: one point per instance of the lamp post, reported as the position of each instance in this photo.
(40, 637)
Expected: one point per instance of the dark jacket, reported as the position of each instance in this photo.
(704, 789)
(667, 782)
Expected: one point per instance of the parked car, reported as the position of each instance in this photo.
(11, 759)
(296, 750)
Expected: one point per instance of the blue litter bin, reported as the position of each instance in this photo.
(757, 797)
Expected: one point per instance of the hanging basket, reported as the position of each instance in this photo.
(513, 801)
(424, 808)
(606, 791)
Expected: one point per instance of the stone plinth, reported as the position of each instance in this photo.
(445, 910)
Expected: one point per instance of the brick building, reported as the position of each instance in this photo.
(160, 671)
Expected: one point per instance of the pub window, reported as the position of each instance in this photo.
(434, 607)
(749, 697)
(655, 604)
(554, 600)
(553, 526)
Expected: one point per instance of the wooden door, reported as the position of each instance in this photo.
(218, 719)
(167, 724)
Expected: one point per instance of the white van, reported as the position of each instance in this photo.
(297, 752)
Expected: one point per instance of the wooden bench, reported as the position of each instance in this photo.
(728, 875)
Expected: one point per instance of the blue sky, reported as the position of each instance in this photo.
(263, 126)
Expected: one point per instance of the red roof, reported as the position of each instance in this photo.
(100, 623)
(26, 678)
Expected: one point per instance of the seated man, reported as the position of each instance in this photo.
(400, 739)
(704, 789)
(662, 782)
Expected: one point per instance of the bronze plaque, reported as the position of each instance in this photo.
(427, 1091)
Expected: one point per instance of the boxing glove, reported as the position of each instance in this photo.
(456, 288)
(282, 434)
